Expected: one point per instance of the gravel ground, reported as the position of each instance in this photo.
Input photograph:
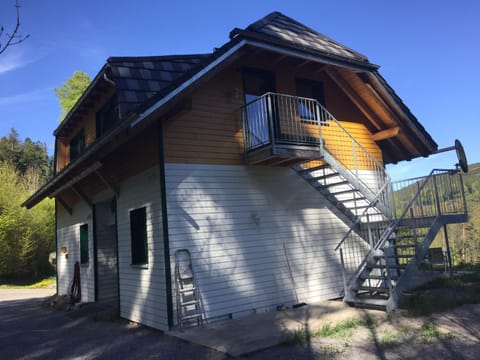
(31, 331)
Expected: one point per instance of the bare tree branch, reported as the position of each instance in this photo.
(14, 37)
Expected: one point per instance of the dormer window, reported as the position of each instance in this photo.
(107, 117)
(77, 145)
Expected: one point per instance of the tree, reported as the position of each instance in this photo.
(13, 37)
(26, 236)
(71, 90)
(29, 158)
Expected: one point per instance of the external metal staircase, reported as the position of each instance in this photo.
(392, 224)
(377, 272)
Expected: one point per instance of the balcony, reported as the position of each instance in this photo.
(283, 130)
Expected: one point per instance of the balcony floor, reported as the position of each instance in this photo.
(282, 154)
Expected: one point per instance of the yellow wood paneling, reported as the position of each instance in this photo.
(212, 131)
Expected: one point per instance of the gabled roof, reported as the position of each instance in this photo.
(280, 29)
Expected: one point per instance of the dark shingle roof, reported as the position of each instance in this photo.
(281, 28)
(138, 79)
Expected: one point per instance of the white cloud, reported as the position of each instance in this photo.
(16, 57)
(28, 97)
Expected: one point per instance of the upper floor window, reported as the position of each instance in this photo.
(312, 90)
(107, 117)
(77, 145)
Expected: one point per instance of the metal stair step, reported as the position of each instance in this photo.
(315, 168)
(335, 193)
(378, 277)
(371, 302)
(325, 176)
(383, 266)
(373, 289)
(318, 185)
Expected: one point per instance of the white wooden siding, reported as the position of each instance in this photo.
(235, 220)
(68, 235)
(142, 290)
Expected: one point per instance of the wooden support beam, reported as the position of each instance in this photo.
(82, 195)
(77, 178)
(302, 64)
(386, 134)
(64, 204)
(107, 183)
(338, 79)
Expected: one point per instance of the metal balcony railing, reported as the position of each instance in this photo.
(278, 119)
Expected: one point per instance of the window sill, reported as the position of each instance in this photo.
(139, 266)
(86, 264)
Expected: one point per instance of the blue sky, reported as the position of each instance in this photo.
(428, 50)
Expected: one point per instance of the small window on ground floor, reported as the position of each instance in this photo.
(84, 244)
(138, 233)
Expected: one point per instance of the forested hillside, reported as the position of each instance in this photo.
(26, 236)
(465, 238)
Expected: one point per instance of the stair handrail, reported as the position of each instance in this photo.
(370, 206)
(390, 229)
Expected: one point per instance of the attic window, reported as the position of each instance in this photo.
(107, 117)
(311, 90)
(77, 145)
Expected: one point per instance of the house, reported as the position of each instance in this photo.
(264, 159)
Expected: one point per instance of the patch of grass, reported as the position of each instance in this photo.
(342, 330)
(43, 283)
(29, 284)
(391, 338)
(429, 331)
(330, 349)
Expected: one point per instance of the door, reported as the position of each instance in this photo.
(106, 270)
(255, 84)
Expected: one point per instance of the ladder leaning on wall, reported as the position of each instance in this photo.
(187, 294)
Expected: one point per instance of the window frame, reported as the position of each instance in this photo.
(317, 93)
(107, 117)
(84, 244)
(77, 145)
(138, 236)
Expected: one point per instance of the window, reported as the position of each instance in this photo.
(84, 244)
(138, 233)
(312, 90)
(107, 117)
(77, 145)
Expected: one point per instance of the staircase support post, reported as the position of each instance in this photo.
(343, 273)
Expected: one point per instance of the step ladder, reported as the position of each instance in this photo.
(187, 295)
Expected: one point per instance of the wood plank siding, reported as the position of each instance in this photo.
(68, 235)
(142, 288)
(235, 221)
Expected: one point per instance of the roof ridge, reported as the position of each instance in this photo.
(278, 16)
(112, 59)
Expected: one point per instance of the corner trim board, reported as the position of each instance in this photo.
(166, 240)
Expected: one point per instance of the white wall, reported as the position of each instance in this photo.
(68, 235)
(142, 290)
(235, 221)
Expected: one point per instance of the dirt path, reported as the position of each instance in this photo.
(450, 335)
